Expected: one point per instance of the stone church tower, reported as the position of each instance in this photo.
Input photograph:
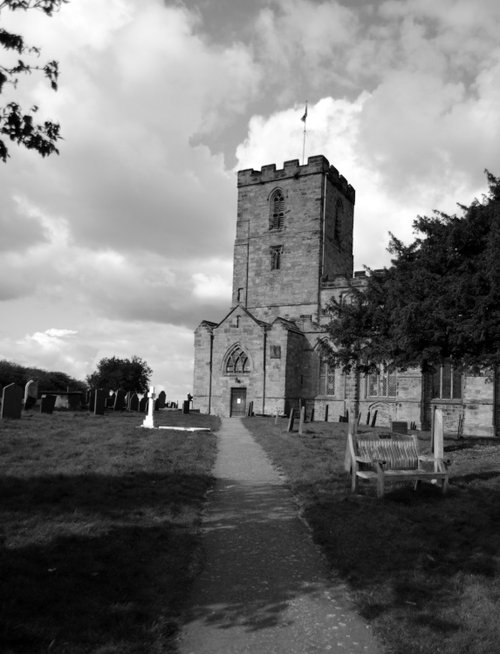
(293, 251)
(292, 254)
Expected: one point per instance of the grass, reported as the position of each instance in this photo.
(98, 530)
(424, 569)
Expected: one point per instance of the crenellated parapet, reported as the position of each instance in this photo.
(293, 169)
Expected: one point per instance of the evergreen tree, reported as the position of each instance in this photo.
(115, 374)
(17, 124)
(439, 299)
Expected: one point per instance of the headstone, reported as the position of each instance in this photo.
(327, 406)
(185, 406)
(99, 402)
(311, 417)
(91, 399)
(162, 397)
(374, 418)
(61, 402)
(75, 401)
(134, 402)
(12, 401)
(399, 426)
(149, 419)
(291, 420)
(126, 400)
(352, 430)
(110, 401)
(438, 436)
(47, 403)
(143, 403)
(119, 404)
(250, 409)
(368, 418)
(302, 418)
(30, 394)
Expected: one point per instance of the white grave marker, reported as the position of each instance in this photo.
(149, 419)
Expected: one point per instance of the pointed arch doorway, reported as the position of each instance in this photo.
(238, 402)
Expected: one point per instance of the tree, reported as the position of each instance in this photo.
(439, 299)
(18, 124)
(13, 373)
(115, 374)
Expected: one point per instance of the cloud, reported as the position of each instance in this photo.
(389, 196)
(126, 239)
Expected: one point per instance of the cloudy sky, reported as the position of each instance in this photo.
(123, 243)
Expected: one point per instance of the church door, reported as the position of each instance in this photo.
(238, 401)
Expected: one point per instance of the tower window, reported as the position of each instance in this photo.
(277, 210)
(276, 252)
(339, 214)
(237, 361)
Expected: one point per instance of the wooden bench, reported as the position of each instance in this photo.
(389, 457)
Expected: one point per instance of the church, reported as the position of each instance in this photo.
(293, 252)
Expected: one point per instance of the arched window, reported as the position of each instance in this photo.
(326, 377)
(339, 215)
(237, 361)
(277, 210)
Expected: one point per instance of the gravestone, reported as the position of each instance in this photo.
(91, 399)
(47, 403)
(126, 400)
(110, 402)
(12, 401)
(149, 419)
(438, 435)
(62, 402)
(143, 403)
(161, 400)
(133, 402)
(399, 426)
(30, 394)
(327, 406)
(185, 406)
(302, 419)
(99, 402)
(119, 404)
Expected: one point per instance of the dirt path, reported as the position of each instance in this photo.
(265, 587)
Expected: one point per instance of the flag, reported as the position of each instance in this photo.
(303, 119)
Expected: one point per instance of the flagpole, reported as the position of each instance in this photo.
(304, 119)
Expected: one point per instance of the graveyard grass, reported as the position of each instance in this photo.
(98, 532)
(422, 568)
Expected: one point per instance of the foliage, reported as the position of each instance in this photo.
(13, 373)
(17, 124)
(439, 299)
(114, 374)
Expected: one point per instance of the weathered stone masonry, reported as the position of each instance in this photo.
(293, 252)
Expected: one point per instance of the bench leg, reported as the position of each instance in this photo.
(380, 484)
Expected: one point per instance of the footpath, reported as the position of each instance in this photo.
(265, 587)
